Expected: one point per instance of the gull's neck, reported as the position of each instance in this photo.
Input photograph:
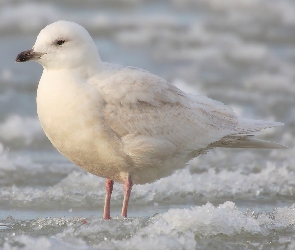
(84, 70)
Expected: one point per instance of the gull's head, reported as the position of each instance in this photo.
(62, 45)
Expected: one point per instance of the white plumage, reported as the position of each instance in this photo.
(124, 123)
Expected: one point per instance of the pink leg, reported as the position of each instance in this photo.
(127, 190)
(107, 207)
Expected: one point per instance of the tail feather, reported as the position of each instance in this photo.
(252, 127)
(255, 143)
(243, 138)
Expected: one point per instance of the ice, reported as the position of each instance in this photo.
(32, 172)
(271, 83)
(21, 128)
(249, 53)
(133, 38)
(282, 11)
(35, 14)
(81, 190)
(31, 243)
(208, 220)
(190, 228)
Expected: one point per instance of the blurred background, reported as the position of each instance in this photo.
(240, 52)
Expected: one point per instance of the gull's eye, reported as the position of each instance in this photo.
(59, 42)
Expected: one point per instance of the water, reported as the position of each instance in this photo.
(238, 52)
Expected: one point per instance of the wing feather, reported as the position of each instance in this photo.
(161, 127)
(138, 102)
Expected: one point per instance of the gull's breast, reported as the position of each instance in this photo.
(71, 117)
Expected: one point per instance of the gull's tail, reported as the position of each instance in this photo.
(246, 129)
(255, 143)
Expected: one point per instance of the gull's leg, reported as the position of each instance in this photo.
(127, 190)
(107, 207)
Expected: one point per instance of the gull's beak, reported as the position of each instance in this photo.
(28, 55)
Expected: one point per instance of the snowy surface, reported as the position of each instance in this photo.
(238, 52)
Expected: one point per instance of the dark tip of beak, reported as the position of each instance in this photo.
(28, 55)
(24, 56)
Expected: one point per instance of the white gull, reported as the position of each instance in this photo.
(124, 123)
